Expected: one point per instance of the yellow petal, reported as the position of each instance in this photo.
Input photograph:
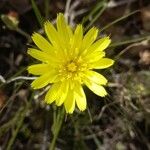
(43, 80)
(80, 97)
(62, 94)
(52, 94)
(39, 55)
(69, 102)
(42, 43)
(70, 33)
(78, 36)
(96, 77)
(52, 34)
(42, 56)
(89, 38)
(99, 45)
(94, 57)
(62, 28)
(38, 69)
(55, 38)
(102, 63)
(97, 89)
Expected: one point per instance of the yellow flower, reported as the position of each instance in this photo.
(66, 61)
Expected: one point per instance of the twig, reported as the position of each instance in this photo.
(16, 78)
(74, 13)
(21, 78)
(114, 85)
(41, 93)
(71, 13)
(67, 9)
(80, 12)
(145, 42)
(113, 4)
(2, 79)
(74, 5)
(103, 109)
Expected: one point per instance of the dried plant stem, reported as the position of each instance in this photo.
(67, 9)
(2, 79)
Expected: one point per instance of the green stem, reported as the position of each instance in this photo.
(26, 35)
(56, 127)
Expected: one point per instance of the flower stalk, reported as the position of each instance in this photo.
(57, 123)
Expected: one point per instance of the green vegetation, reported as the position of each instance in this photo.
(119, 121)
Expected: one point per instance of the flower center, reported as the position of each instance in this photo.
(72, 67)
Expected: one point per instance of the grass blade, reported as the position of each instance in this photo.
(96, 17)
(124, 42)
(37, 13)
(95, 14)
(118, 20)
(93, 11)
(47, 8)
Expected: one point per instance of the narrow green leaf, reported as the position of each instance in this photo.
(118, 20)
(96, 17)
(37, 13)
(124, 42)
(47, 2)
(93, 11)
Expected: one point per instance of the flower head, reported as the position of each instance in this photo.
(66, 61)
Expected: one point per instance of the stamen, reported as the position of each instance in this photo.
(72, 67)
